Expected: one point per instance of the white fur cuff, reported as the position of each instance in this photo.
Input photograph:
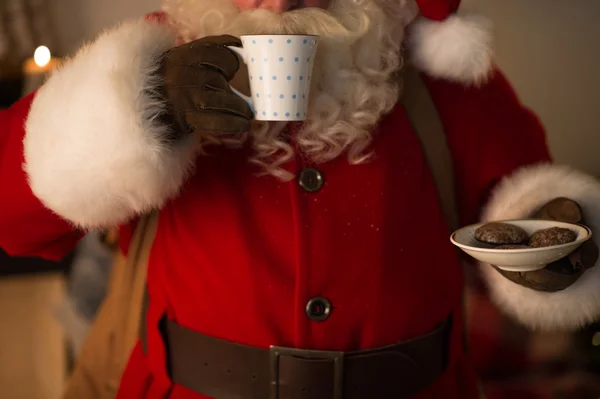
(520, 196)
(94, 151)
(458, 48)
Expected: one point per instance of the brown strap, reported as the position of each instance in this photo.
(139, 250)
(225, 370)
(143, 325)
(137, 259)
(426, 122)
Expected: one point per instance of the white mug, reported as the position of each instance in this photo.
(280, 71)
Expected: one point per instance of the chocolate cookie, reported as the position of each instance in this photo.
(552, 236)
(513, 247)
(500, 234)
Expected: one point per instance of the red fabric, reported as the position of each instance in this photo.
(489, 134)
(138, 377)
(237, 256)
(438, 10)
(27, 228)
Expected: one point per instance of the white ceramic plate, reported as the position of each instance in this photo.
(519, 260)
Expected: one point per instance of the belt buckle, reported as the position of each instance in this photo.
(276, 352)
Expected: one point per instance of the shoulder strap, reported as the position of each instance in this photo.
(116, 327)
(137, 259)
(143, 237)
(427, 125)
(132, 279)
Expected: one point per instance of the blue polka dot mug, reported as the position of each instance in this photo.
(280, 70)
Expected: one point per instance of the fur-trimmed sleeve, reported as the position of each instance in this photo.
(95, 151)
(503, 171)
(27, 227)
(520, 195)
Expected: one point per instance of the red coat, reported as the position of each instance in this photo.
(237, 256)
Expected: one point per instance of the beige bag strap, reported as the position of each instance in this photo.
(427, 124)
(137, 266)
(115, 330)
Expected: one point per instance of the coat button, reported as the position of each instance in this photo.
(318, 309)
(311, 180)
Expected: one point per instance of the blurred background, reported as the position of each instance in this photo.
(548, 49)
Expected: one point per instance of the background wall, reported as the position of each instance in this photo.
(547, 48)
(80, 20)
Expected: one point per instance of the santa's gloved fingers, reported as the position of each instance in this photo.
(206, 54)
(554, 277)
(224, 102)
(585, 256)
(194, 81)
(562, 210)
(214, 122)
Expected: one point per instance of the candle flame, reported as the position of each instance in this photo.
(42, 56)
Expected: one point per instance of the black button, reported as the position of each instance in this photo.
(311, 180)
(318, 309)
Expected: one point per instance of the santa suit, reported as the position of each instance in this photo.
(237, 256)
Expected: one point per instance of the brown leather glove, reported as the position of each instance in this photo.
(196, 88)
(559, 275)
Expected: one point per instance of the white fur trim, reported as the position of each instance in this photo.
(94, 151)
(520, 196)
(457, 49)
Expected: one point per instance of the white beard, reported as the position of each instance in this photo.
(353, 82)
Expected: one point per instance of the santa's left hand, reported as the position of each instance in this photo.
(564, 272)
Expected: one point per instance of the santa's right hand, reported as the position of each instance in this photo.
(196, 88)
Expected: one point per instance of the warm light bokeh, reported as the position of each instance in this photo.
(42, 56)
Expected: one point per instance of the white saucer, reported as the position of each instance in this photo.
(520, 260)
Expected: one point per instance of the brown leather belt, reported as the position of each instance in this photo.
(226, 370)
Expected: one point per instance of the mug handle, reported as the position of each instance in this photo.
(240, 51)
